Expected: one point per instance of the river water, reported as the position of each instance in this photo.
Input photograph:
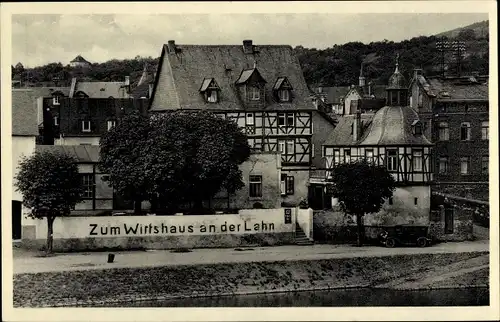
(335, 298)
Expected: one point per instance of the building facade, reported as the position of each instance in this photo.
(455, 113)
(393, 137)
(79, 62)
(82, 121)
(261, 88)
(24, 133)
(98, 196)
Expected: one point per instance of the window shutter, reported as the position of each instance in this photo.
(290, 185)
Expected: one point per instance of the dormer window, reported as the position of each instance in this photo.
(417, 127)
(282, 89)
(254, 84)
(210, 90)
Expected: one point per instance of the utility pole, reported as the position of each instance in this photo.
(451, 54)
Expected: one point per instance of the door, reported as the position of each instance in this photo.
(316, 196)
(16, 219)
(448, 220)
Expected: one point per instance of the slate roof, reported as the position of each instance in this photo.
(101, 89)
(366, 104)
(83, 153)
(24, 112)
(181, 74)
(342, 134)
(391, 125)
(457, 89)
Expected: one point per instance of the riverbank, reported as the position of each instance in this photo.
(122, 285)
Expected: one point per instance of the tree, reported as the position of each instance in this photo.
(123, 156)
(361, 188)
(177, 157)
(205, 151)
(51, 187)
(466, 34)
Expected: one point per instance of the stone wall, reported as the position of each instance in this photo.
(257, 227)
(460, 229)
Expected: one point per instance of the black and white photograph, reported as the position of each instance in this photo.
(214, 157)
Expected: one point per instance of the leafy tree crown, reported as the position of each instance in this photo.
(50, 183)
(361, 187)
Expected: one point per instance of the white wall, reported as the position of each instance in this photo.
(250, 221)
(305, 221)
(77, 140)
(22, 146)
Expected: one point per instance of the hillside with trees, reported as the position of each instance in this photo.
(338, 65)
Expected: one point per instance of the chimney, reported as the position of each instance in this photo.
(362, 80)
(356, 131)
(248, 46)
(416, 72)
(150, 90)
(127, 81)
(171, 46)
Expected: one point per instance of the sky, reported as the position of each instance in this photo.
(44, 38)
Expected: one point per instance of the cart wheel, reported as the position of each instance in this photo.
(421, 242)
(390, 242)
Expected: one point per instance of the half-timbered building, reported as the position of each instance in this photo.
(393, 137)
(262, 89)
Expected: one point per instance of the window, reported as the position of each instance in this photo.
(281, 119)
(448, 221)
(417, 160)
(254, 93)
(443, 165)
(336, 156)
(290, 147)
(282, 147)
(347, 156)
(250, 119)
(111, 124)
(284, 95)
(420, 100)
(287, 185)
(212, 96)
(485, 135)
(369, 155)
(415, 201)
(465, 131)
(392, 160)
(255, 186)
(287, 119)
(56, 120)
(485, 161)
(55, 100)
(443, 131)
(85, 126)
(418, 128)
(290, 185)
(391, 201)
(88, 185)
(464, 165)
